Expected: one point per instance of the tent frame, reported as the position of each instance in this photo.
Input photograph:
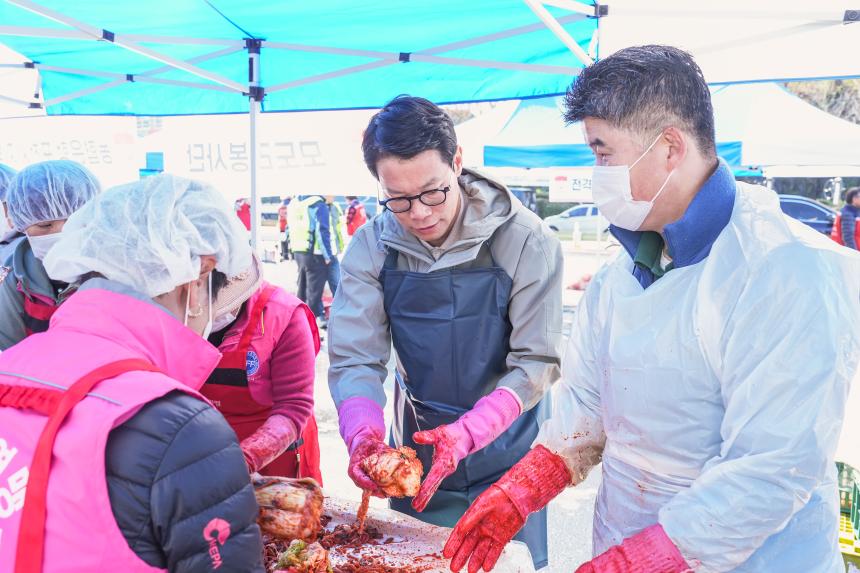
(254, 90)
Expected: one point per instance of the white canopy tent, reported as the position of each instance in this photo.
(741, 40)
(784, 135)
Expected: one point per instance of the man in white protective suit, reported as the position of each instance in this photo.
(709, 364)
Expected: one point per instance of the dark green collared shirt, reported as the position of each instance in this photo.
(649, 252)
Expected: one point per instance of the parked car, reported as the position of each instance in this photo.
(819, 217)
(591, 222)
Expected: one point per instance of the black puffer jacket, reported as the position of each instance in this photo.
(173, 468)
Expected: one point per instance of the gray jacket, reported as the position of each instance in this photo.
(23, 266)
(359, 336)
(8, 243)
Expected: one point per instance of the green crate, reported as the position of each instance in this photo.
(855, 511)
(848, 478)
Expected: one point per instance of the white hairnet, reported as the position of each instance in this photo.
(49, 191)
(150, 235)
(6, 175)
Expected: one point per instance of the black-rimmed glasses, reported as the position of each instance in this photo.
(403, 204)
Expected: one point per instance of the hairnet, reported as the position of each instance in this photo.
(6, 175)
(49, 191)
(150, 235)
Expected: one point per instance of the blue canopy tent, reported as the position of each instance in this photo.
(176, 57)
(535, 136)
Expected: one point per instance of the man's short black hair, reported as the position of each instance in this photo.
(643, 90)
(405, 127)
(851, 194)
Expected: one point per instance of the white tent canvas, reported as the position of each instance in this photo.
(743, 41)
(107, 146)
(297, 153)
(762, 125)
(784, 134)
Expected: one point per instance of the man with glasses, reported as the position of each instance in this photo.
(466, 284)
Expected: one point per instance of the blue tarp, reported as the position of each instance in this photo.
(573, 155)
(535, 136)
(444, 28)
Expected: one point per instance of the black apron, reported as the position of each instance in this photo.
(451, 331)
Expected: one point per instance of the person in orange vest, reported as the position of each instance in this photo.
(243, 211)
(846, 231)
(283, 224)
(356, 215)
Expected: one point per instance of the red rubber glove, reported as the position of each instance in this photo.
(649, 551)
(486, 421)
(498, 513)
(269, 441)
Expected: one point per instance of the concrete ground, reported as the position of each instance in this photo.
(570, 514)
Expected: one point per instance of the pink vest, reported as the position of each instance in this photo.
(91, 329)
(81, 533)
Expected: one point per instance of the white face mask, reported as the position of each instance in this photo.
(222, 321)
(208, 329)
(42, 244)
(610, 187)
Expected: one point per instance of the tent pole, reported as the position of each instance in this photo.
(254, 105)
(255, 97)
(541, 12)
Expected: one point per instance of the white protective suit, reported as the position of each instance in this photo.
(716, 395)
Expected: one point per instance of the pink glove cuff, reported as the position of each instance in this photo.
(268, 442)
(535, 480)
(490, 417)
(360, 415)
(649, 551)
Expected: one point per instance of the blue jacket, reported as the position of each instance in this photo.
(163, 490)
(689, 239)
(320, 223)
(849, 222)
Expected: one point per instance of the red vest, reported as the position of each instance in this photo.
(836, 232)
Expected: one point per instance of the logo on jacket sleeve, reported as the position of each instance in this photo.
(216, 532)
(252, 363)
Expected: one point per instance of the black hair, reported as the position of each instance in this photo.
(851, 194)
(405, 127)
(645, 89)
(219, 281)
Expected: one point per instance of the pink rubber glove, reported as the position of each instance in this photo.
(498, 513)
(362, 426)
(491, 416)
(269, 441)
(649, 551)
